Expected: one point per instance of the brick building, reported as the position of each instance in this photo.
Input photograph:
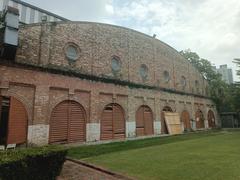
(83, 82)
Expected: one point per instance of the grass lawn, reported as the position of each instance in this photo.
(213, 155)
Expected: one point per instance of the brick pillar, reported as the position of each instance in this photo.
(131, 123)
(157, 121)
(93, 126)
(38, 132)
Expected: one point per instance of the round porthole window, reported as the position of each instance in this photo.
(197, 86)
(72, 52)
(183, 81)
(166, 76)
(116, 64)
(143, 71)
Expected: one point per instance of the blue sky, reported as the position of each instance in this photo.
(209, 27)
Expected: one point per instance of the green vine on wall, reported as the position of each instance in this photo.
(74, 72)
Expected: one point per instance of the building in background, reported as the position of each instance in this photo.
(226, 73)
(30, 14)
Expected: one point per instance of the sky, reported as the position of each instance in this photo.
(208, 27)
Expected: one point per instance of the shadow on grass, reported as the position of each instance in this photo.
(96, 150)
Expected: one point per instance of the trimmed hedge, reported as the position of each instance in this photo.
(32, 163)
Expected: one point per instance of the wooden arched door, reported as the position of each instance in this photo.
(67, 123)
(17, 122)
(144, 121)
(199, 120)
(185, 118)
(211, 119)
(163, 123)
(112, 122)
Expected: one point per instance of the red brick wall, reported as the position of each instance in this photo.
(44, 45)
(40, 92)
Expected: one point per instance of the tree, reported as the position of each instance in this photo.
(203, 65)
(219, 90)
(235, 89)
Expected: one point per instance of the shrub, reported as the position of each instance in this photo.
(32, 163)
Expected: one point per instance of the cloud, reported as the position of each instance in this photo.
(210, 27)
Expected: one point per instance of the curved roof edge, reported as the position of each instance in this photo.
(117, 26)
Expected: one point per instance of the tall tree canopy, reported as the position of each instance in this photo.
(203, 65)
(219, 90)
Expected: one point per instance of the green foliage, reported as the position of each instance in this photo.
(219, 90)
(202, 65)
(233, 96)
(32, 163)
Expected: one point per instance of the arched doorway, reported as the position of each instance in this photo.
(185, 119)
(144, 121)
(199, 120)
(211, 119)
(112, 122)
(163, 123)
(67, 123)
(13, 121)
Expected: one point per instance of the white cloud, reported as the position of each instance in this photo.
(109, 8)
(210, 27)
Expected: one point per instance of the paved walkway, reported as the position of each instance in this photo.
(72, 171)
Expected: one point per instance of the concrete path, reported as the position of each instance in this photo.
(76, 171)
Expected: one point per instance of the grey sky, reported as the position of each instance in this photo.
(209, 27)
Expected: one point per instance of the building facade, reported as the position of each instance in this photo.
(30, 14)
(225, 72)
(83, 82)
